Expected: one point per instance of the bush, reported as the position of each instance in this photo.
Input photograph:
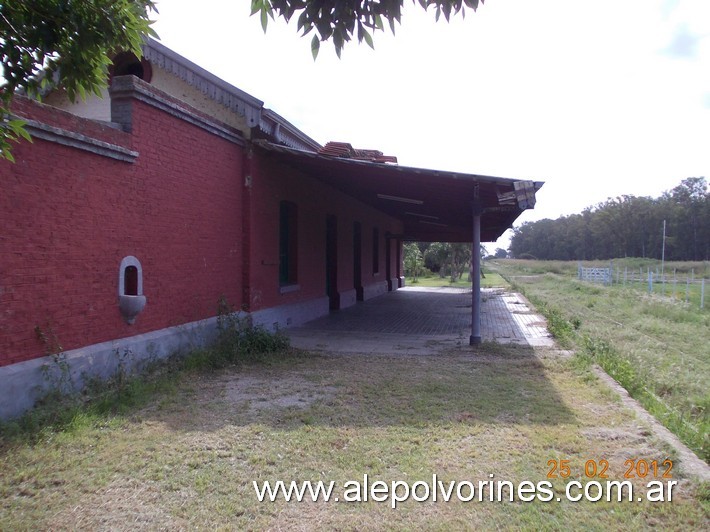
(237, 340)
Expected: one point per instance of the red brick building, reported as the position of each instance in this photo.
(127, 219)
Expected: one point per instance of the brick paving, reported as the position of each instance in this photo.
(413, 319)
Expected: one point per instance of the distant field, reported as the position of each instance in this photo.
(654, 345)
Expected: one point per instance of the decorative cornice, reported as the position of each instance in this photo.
(76, 140)
(217, 89)
(283, 132)
(126, 87)
(236, 100)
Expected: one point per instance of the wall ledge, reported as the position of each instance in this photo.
(77, 140)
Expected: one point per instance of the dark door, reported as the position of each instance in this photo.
(331, 261)
(357, 259)
(388, 262)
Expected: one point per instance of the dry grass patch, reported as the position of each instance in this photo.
(188, 459)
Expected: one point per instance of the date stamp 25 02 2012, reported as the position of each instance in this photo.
(635, 468)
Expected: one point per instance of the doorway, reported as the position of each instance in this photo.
(331, 261)
(357, 260)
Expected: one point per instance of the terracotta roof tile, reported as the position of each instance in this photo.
(346, 150)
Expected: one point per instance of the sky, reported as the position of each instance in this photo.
(596, 99)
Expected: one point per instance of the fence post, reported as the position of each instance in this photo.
(702, 294)
(610, 277)
(663, 282)
(687, 288)
(650, 281)
(675, 282)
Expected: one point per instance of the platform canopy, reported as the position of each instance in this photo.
(434, 205)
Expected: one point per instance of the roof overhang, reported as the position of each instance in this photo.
(434, 205)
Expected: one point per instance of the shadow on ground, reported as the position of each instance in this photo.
(497, 385)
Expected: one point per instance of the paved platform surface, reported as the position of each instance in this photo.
(419, 320)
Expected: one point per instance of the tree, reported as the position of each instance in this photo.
(39, 39)
(413, 261)
(501, 253)
(459, 260)
(338, 19)
(626, 226)
(436, 258)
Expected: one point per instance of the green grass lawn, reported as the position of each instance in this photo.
(185, 456)
(491, 280)
(655, 346)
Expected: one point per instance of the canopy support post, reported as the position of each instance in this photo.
(476, 274)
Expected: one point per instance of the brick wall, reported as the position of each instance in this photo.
(68, 217)
(273, 183)
(196, 208)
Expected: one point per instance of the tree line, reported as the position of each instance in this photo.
(626, 226)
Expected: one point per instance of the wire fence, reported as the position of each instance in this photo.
(678, 286)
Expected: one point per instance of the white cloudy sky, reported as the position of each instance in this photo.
(597, 99)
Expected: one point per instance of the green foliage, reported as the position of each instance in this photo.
(65, 403)
(559, 326)
(341, 20)
(453, 259)
(237, 341)
(413, 261)
(626, 226)
(655, 348)
(11, 131)
(48, 41)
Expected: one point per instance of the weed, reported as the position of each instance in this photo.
(237, 341)
(655, 347)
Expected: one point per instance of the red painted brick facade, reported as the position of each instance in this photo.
(198, 209)
(273, 183)
(68, 217)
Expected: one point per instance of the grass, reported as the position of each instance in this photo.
(655, 347)
(491, 279)
(186, 457)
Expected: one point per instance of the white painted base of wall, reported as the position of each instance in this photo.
(24, 383)
(291, 315)
(348, 298)
(374, 290)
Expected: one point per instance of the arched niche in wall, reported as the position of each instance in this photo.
(127, 64)
(131, 300)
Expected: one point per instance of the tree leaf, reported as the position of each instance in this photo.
(368, 38)
(315, 46)
(256, 6)
(18, 129)
(264, 18)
